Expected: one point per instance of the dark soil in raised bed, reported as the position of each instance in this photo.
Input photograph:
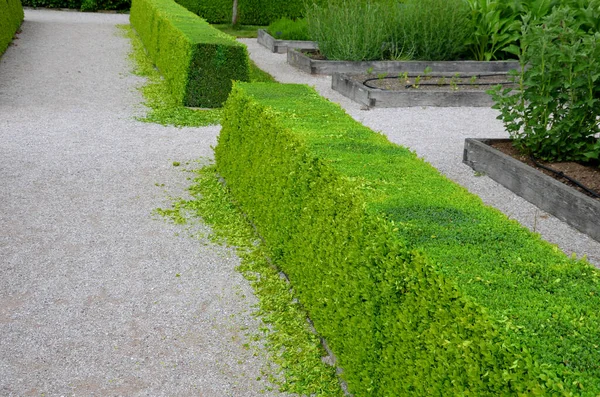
(433, 82)
(587, 175)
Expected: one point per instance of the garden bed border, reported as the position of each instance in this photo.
(374, 97)
(281, 46)
(562, 201)
(314, 66)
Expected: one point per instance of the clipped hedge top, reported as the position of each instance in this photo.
(544, 301)
(196, 29)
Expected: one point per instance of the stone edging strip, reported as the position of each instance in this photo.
(565, 203)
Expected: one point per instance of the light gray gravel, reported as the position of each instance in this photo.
(90, 301)
(437, 135)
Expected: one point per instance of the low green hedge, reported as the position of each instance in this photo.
(198, 61)
(250, 12)
(418, 287)
(11, 16)
(84, 5)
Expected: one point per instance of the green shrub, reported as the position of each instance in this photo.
(263, 12)
(250, 12)
(216, 11)
(11, 16)
(554, 114)
(350, 30)
(84, 5)
(287, 29)
(89, 5)
(198, 61)
(417, 286)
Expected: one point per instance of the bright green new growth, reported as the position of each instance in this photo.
(294, 350)
(197, 61)
(11, 16)
(418, 287)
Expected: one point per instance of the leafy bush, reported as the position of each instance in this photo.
(417, 286)
(588, 14)
(287, 29)
(536, 9)
(554, 115)
(496, 27)
(84, 5)
(350, 30)
(435, 30)
(11, 16)
(197, 61)
(497, 24)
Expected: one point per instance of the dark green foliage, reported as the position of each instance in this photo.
(84, 5)
(554, 114)
(250, 12)
(11, 16)
(418, 287)
(198, 61)
(288, 29)
(263, 12)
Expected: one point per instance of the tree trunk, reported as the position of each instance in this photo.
(234, 14)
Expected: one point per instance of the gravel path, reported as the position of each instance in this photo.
(438, 134)
(90, 300)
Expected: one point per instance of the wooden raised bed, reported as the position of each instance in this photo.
(564, 202)
(374, 97)
(281, 46)
(314, 66)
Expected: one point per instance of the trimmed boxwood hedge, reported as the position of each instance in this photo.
(198, 61)
(418, 287)
(11, 16)
(250, 12)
